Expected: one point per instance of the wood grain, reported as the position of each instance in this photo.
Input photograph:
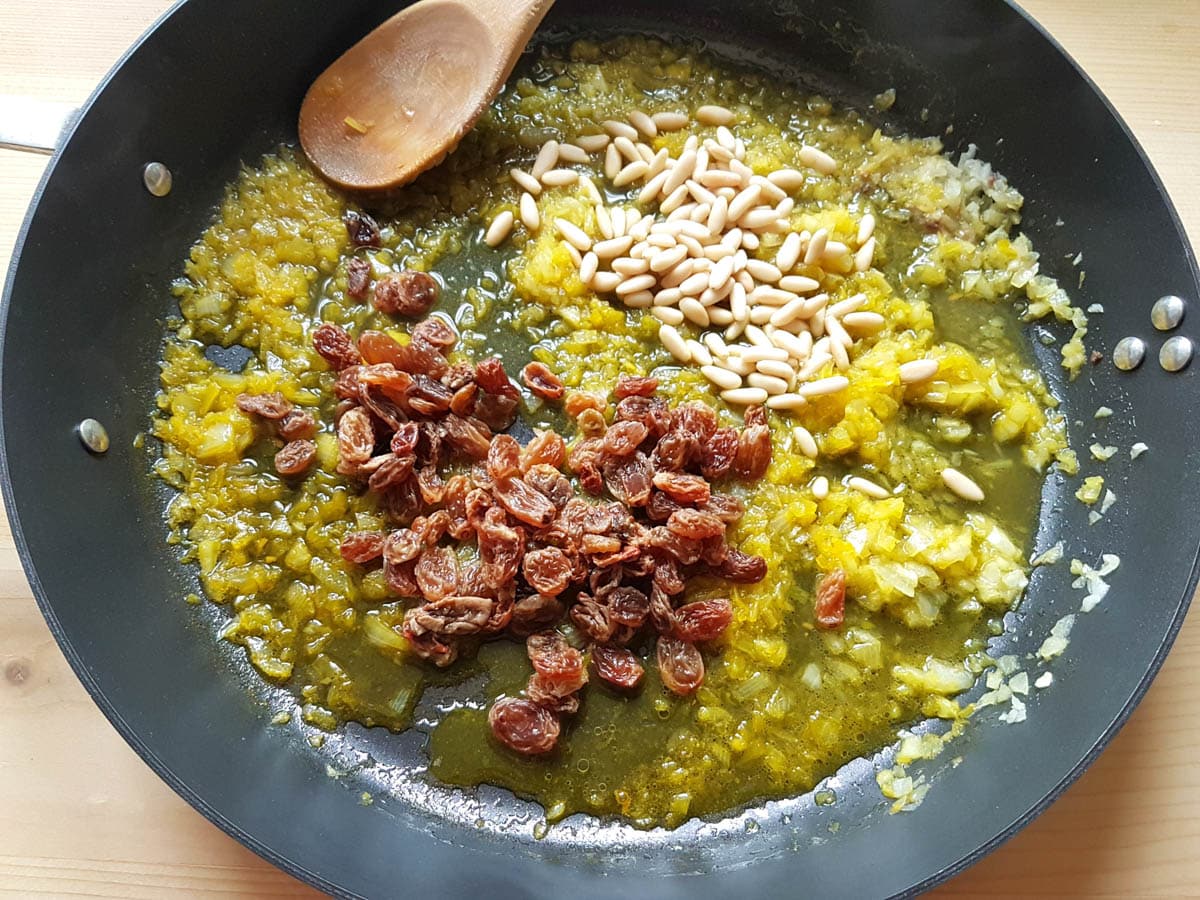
(81, 815)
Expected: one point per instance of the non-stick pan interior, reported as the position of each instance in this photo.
(216, 85)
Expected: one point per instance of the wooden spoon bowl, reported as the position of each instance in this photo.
(399, 100)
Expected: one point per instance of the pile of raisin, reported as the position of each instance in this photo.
(611, 551)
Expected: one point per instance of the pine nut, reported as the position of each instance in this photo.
(805, 441)
(499, 229)
(722, 378)
(592, 143)
(775, 368)
(789, 253)
(714, 115)
(631, 173)
(816, 247)
(573, 234)
(588, 267)
(635, 284)
(918, 370)
(870, 488)
(700, 354)
(620, 129)
(746, 396)
(962, 485)
(823, 386)
(694, 310)
(670, 338)
(525, 181)
(817, 159)
(530, 217)
(866, 228)
(605, 282)
(667, 314)
(643, 123)
(865, 256)
(863, 322)
(669, 121)
(628, 266)
(787, 179)
(768, 383)
(545, 160)
(799, 284)
(612, 162)
(786, 401)
(820, 487)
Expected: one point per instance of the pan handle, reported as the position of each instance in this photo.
(37, 126)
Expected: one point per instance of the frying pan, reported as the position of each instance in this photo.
(215, 84)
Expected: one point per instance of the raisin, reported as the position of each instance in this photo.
(623, 438)
(266, 406)
(680, 665)
(662, 614)
(459, 375)
(548, 570)
(742, 568)
(725, 507)
(362, 229)
(635, 386)
(362, 546)
(754, 450)
(401, 502)
(695, 524)
(406, 293)
(454, 616)
(496, 411)
(523, 726)
(754, 415)
(377, 347)
(399, 577)
(542, 382)
(431, 528)
(427, 396)
(695, 420)
(685, 550)
(504, 458)
(550, 696)
(295, 458)
(428, 645)
(682, 488)
(392, 383)
(392, 471)
(501, 548)
(628, 479)
(830, 602)
(650, 411)
(544, 448)
(578, 401)
(535, 613)
(404, 441)
(335, 346)
(401, 546)
(437, 332)
(524, 503)
(592, 619)
(431, 486)
(551, 483)
(670, 453)
(667, 576)
(492, 378)
(297, 425)
(437, 573)
(346, 387)
(555, 659)
(618, 667)
(356, 437)
(464, 399)
(358, 277)
(659, 507)
(627, 606)
(387, 411)
(600, 543)
(703, 620)
(718, 454)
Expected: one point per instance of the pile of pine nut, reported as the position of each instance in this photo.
(771, 330)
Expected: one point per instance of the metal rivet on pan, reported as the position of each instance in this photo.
(1175, 354)
(93, 435)
(1167, 312)
(1129, 353)
(157, 179)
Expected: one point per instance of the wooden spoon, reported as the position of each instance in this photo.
(399, 100)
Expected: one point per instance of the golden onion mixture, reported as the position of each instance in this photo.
(784, 703)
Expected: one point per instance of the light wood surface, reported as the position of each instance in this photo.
(81, 815)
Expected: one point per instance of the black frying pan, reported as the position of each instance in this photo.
(217, 83)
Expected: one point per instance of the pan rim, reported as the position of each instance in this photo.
(300, 871)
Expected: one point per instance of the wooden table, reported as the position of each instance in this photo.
(81, 815)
